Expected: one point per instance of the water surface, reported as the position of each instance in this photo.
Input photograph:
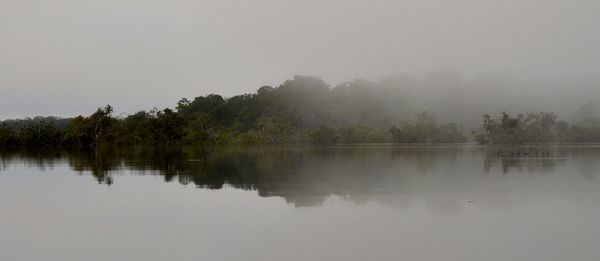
(302, 203)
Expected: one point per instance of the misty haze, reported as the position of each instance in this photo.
(299, 130)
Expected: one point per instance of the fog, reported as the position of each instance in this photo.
(69, 57)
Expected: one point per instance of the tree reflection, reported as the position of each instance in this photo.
(42, 158)
(307, 176)
(523, 158)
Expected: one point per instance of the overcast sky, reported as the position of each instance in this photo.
(68, 57)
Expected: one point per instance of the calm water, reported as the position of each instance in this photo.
(302, 203)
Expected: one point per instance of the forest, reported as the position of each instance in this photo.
(303, 110)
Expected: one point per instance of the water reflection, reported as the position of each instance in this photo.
(301, 203)
(307, 176)
(525, 158)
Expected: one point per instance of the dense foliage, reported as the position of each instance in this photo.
(302, 110)
(541, 127)
(425, 129)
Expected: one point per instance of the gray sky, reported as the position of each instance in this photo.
(67, 57)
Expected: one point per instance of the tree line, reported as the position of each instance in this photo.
(301, 110)
(540, 127)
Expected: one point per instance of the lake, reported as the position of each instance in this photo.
(371, 202)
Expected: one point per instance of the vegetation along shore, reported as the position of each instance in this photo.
(304, 110)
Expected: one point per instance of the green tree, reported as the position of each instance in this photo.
(137, 128)
(273, 130)
(40, 134)
(323, 135)
(168, 128)
(201, 129)
(7, 136)
(99, 129)
(103, 126)
(77, 134)
(539, 127)
(507, 129)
